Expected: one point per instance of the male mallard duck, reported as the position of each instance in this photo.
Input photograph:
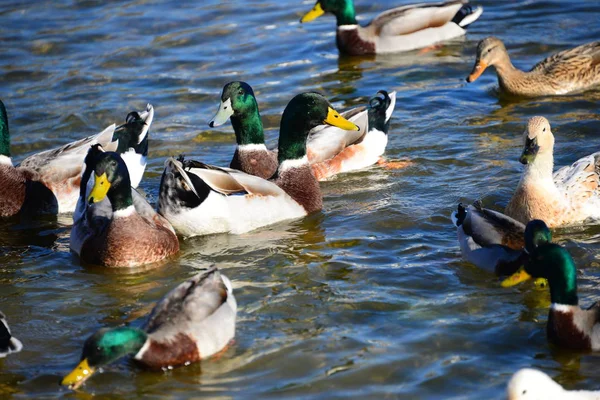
(8, 343)
(568, 325)
(330, 150)
(566, 72)
(192, 322)
(570, 196)
(48, 182)
(488, 239)
(114, 225)
(199, 199)
(532, 384)
(403, 28)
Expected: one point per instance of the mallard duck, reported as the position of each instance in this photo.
(568, 325)
(566, 72)
(570, 196)
(488, 239)
(199, 199)
(8, 343)
(330, 150)
(48, 182)
(192, 322)
(403, 28)
(532, 384)
(113, 225)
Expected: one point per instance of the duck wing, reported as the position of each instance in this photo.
(412, 18)
(582, 61)
(189, 303)
(580, 181)
(488, 227)
(8, 343)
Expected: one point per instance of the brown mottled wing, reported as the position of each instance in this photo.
(580, 181)
(191, 302)
(412, 18)
(145, 210)
(581, 62)
(488, 228)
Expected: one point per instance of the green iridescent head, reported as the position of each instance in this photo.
(111, 178)
(4, 132)
(102, 348)
(239, 104)
(342, 9)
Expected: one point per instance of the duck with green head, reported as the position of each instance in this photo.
(48, 182)
(113, 225)
(568, 325)
(199, 199)
(400, 29)
(192, 322)
(330, 150)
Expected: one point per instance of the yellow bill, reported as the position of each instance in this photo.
(478, 69)
(313, 14)
(79, 375)
(335, 119)
(100, 189)
(516, 278)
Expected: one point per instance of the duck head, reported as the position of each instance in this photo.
(490, 52)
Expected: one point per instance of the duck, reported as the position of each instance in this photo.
(192, 322)
(8, 343)
(529, 383)
(404, 28)
(200, 199)
(570, 196)
(569, 326)
(48, 182)
(113, 225)
(330, 150)
(488, 239)
(569, 71)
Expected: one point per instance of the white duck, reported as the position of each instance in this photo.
(531, 384)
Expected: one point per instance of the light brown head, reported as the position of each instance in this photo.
(490, 51)
(537, 139)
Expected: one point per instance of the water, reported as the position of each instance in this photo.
(367, 299)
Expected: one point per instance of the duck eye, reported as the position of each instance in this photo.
(489, 50)
(241, 92)
(544, 130)
(524, 391)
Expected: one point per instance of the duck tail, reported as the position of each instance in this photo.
(381, 107)
(458, 216)
(133, 134)
(8, 343)
(467, 15)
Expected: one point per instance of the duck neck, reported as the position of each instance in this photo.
(509, 76)
(347, 16)
(562, 278)
(120, 198)
(248, 128)
(539, 171)
(4, 132)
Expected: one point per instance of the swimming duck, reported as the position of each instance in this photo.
(192, 322)
(113, 225)
(568, 325)
(8, 343)
(330, 150)
(488, 239)
(566, 72)
(48, 182)
(403, 28)
(532, 384)
(570, 196)
(199, 199)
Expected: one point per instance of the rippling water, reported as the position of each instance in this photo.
(367, 299)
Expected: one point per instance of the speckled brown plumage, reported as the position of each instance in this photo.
(302, 186)
(255, 162)
(130, 241)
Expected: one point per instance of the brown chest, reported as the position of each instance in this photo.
(13, 186)
(563, 332)
(302, 186)
(258, 163)
(350, 42)
(179, 350)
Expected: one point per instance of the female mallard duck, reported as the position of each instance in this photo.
(566, 72)
(570, 196)
(8, 343)
(489, 239)
(532, 384)
(48, 182)
(400, 29)
(568, 325)
(330, 150)
(199, 199)
(192, 322)
(114, 225)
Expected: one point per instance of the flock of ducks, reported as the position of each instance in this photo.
(114, 226)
